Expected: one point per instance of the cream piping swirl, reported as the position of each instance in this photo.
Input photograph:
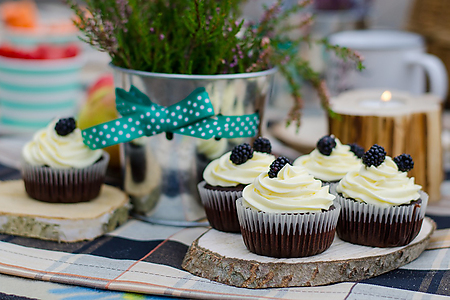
(293, 190)
(50, 149)
(223, 172)
(332, 167)
(383, 186)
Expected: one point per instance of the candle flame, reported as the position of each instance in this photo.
(386, 96)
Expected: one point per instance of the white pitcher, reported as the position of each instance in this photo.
(393, 60)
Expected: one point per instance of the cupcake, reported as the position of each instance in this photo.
(226, 177)
(380, 205)
(331, 160)
(287, 213)
(59, 168)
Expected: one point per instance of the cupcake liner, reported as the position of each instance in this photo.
(64, 185)
(287, 234)
(220, 208)
(371, 225)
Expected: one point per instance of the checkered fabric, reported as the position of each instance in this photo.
(144, 258)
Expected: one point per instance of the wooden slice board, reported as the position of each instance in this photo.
(223, 257)
(68, 222)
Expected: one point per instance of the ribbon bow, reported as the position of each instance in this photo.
(192, 116)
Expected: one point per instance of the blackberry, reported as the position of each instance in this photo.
(241, 153)
(326, 144)
(404, 162)
(357, 149)
(262, 145)
(374, 156)
(277, 165)
(65, 126)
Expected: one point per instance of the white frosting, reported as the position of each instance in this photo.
(49, 148)
(332, 167)
(223, 172)
(383, 186)
(211, 148)
(293, 190)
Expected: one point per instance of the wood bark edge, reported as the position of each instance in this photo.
(253, 274)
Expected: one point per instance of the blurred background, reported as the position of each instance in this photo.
(83, 83)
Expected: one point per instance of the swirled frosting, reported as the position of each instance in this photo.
(383, 186)
(332, 167)
(223, 172)
(211, 148)
(293, 190)
(50, 149)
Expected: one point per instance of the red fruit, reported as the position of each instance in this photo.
(71, 51)
(41, 52)
(105, 80)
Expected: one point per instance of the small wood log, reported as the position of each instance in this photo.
(223, 257)
(414, 128)
(67, 222)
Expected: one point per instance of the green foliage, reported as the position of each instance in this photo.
(203, 37)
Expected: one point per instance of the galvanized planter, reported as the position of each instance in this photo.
(161, 175)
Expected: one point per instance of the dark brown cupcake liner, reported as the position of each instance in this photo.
(287, 235)
(64, 185)
(220, 207)
(370, 225)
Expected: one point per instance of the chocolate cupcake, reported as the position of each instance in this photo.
(57, 167)
(380, 205)
(331, 160)
(287, 213)
(226, 177)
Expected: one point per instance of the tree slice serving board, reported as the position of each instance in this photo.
(223, 257)
(68, 222)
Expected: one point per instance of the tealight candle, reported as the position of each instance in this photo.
(398, 121)
(385, 101)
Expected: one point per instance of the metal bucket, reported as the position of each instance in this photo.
(161, 175)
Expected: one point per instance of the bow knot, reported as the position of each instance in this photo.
(193, 116)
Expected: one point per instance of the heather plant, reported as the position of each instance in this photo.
(204, 37)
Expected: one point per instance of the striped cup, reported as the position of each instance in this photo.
(33, 92)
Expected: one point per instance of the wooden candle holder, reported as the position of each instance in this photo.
(413, 128)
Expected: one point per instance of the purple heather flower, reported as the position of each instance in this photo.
(230, 29)
(161, 37)
(124, 10)
(265, 41)
(271, 12)
(108, 28)
(152, 29)
(358, 55)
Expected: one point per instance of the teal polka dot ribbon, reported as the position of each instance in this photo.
(192, 116)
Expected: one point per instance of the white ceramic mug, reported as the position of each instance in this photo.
(392, 60)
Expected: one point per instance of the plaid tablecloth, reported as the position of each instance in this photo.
(144, 258)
